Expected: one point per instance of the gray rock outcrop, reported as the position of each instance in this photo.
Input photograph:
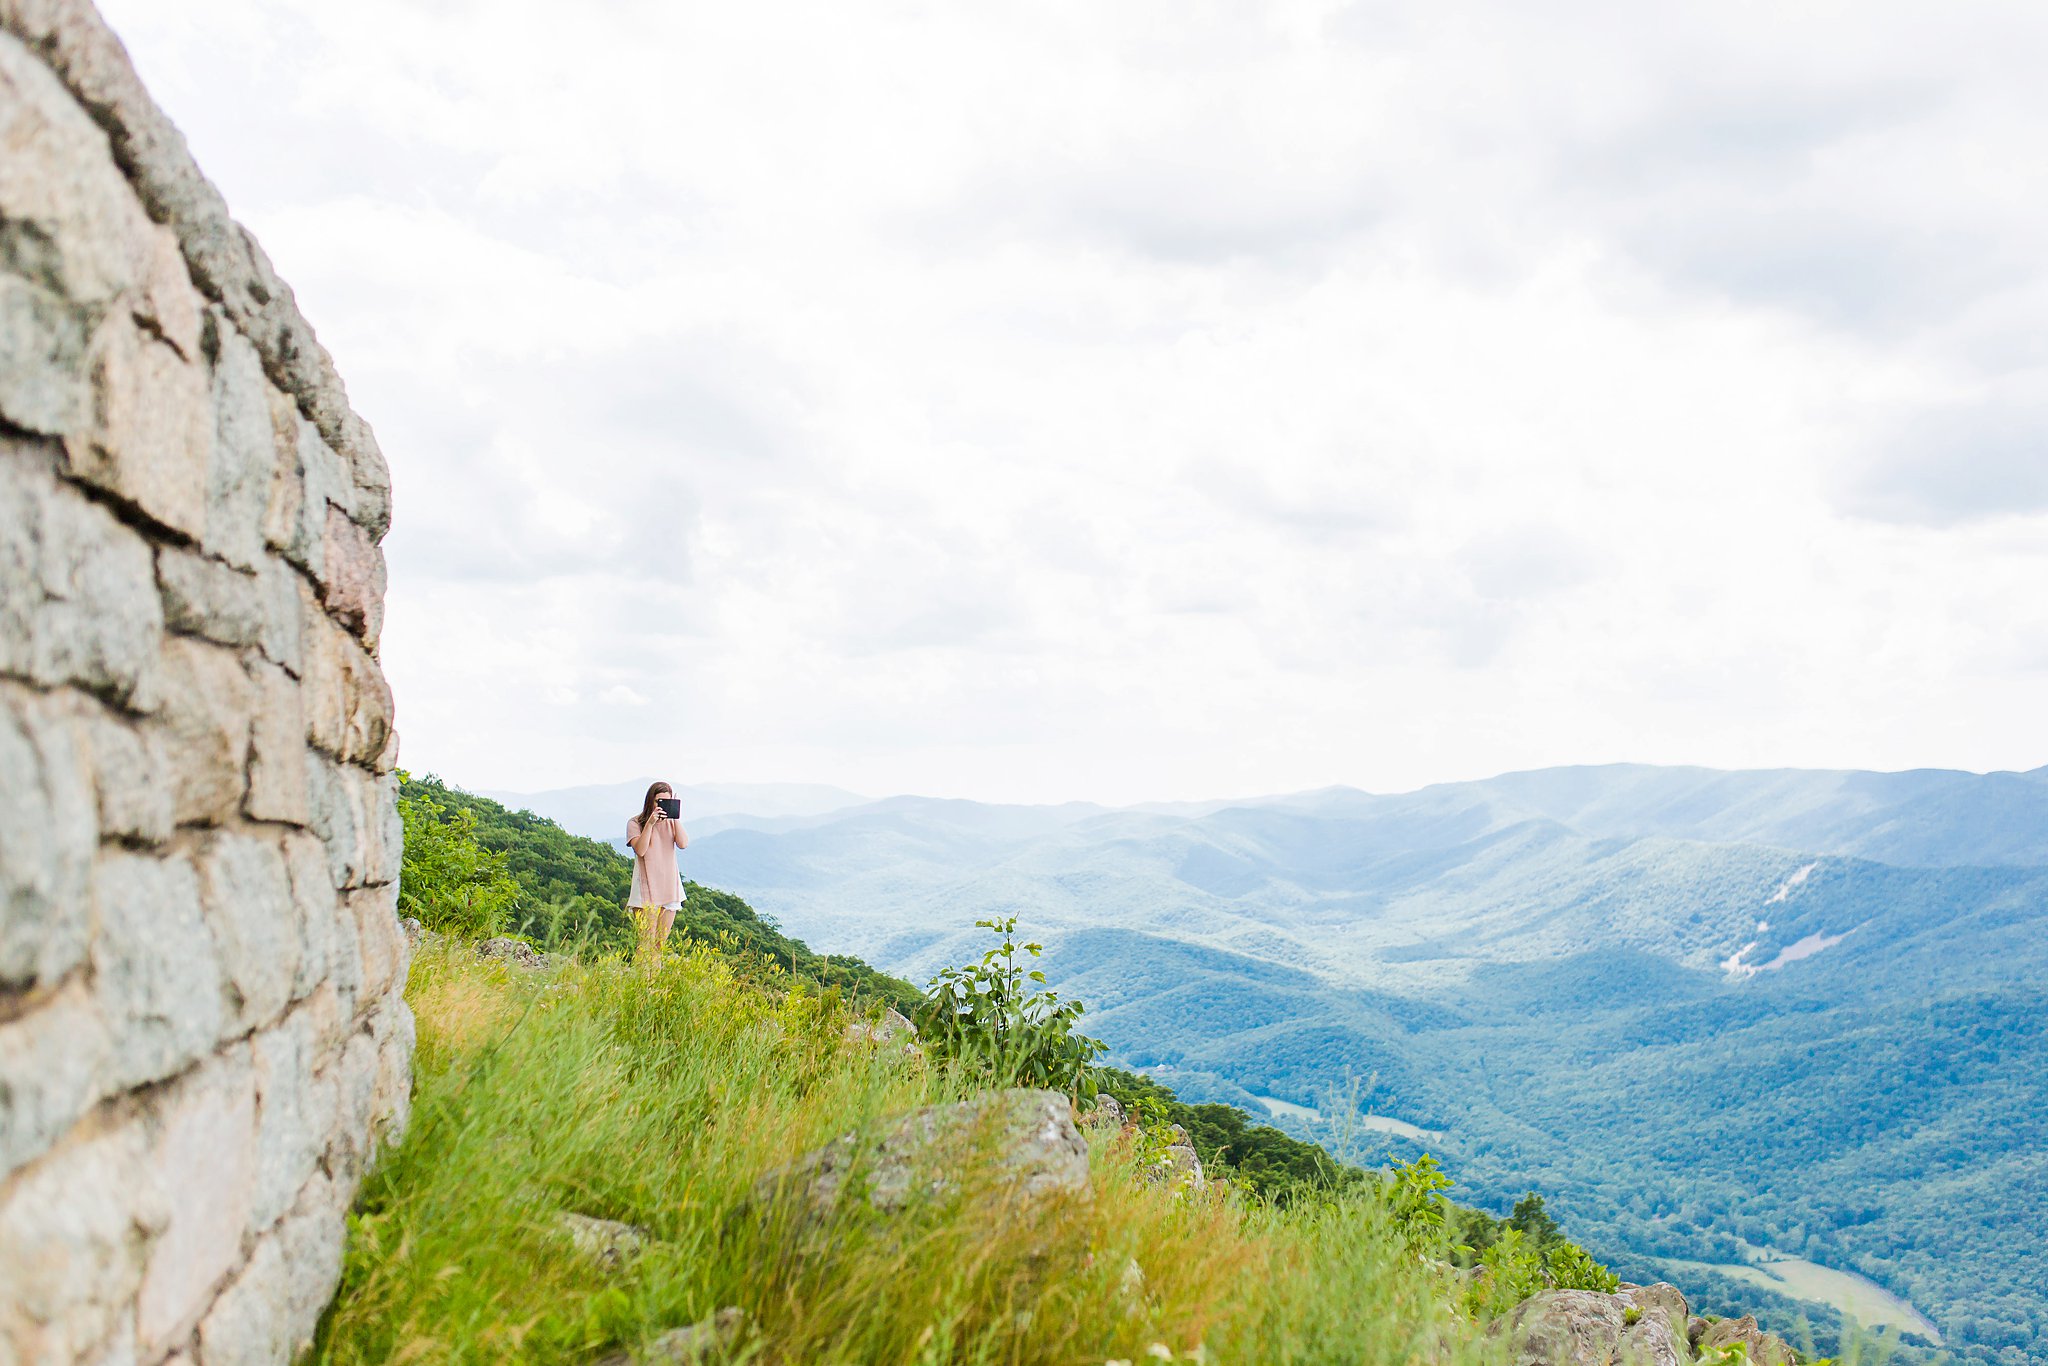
(202, 1037)
(1130, 1287)
(1587, 1328)
(1179, 1165)
(707, 1340)
(1763, 1349)
(891, 1028)
(1663, 1299)
(513, 952)
(1106, 1113)
(1024, 1140)
(609, 1242)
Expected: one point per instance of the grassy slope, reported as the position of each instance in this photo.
(660, 1102)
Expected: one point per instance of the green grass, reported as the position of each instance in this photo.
(660, 1101)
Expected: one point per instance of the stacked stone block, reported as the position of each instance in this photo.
(202, 1038)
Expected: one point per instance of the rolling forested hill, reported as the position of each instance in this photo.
(1717, 1018)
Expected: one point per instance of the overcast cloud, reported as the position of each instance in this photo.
(1170, 400)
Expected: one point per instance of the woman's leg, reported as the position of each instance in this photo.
(667, 916)
(644, 920)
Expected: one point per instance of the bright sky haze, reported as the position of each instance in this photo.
(1122, 401)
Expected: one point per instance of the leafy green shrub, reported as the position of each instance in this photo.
(1414, 1198)
(1727, 1354)
(988, 1018)
(1512, 1271)
(1571, 1267)
(1521, 1254)
(1515, 1266)
(446, 879)
(571, 891)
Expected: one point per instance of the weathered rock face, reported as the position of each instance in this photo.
(1029, 1138)
(1764, 1349)
(709, 1340)
(891, 1028)
(1180, 1165)
(516, 952)
(1663, 1299)
(1106, 1113)
(1587, 1328)
(606, 1241)
(201, 1034)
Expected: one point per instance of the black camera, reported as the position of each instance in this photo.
(671, 807)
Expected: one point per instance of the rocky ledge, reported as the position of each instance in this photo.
(1029, 1137)
(1650, 1325)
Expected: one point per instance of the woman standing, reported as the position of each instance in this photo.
(655, 835)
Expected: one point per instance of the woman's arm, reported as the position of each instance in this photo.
(682, 835)
(634, 834)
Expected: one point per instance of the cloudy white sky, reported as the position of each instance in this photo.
(1152, 400)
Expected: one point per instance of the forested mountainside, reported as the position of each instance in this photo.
(1806, 1050)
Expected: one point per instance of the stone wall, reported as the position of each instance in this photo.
(202, 1039)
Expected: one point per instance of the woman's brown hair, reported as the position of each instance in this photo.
(647, 807)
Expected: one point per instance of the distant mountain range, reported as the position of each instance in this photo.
(1713, 1016)
(1925, 817)
(1936, 818)
(600, 812)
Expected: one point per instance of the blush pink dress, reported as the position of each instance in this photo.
(655, 879)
